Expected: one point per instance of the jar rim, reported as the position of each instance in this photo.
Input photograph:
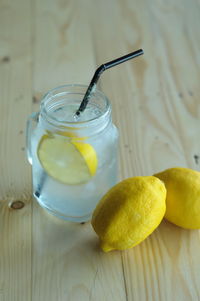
(55, 92)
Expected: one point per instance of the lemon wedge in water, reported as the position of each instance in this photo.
(67, 160)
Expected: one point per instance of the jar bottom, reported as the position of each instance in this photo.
(76, 219)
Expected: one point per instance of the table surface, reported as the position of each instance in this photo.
(155, 101)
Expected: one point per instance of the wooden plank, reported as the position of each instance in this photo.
(156, 108)
(67, 259)
(63, 47)
(15, 105)
(67, 264)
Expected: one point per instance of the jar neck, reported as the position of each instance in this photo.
(59, 105)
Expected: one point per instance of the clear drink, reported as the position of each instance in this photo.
(74, 161)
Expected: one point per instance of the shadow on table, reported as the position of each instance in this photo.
(70, 253)
(51, 233)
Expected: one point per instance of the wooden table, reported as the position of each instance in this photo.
(155, 101)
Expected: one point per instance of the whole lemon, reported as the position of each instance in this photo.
(183, 196)
(129, 212)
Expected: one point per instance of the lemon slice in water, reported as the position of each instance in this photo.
(67, 161)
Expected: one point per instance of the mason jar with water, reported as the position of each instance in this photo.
(73, 158)
(72, 146)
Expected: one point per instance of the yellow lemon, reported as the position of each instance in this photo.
(183, 196)
(67, 161)
(89, 155)
(129, 212)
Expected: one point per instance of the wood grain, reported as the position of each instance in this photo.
(155, 102)
(15, 181)
(66, 253)
(157, 113)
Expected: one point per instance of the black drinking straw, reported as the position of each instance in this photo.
(99, 71)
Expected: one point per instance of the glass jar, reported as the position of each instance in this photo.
(74, 159)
